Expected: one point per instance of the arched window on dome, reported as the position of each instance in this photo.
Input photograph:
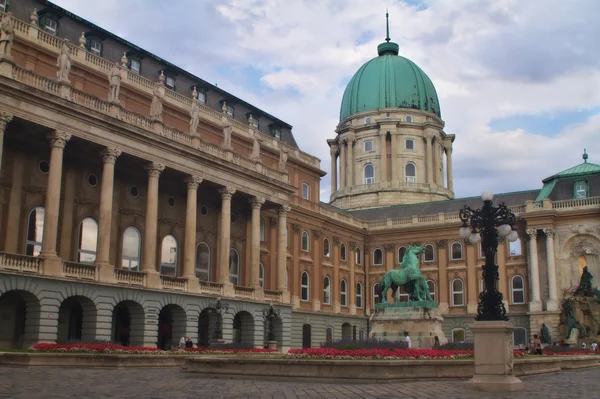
(410, 173)
(369, 174)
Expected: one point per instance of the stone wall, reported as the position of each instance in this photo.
(319, 323)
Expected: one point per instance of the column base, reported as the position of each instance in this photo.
(352, 309)
(535, 306)
(228, 289)
(53, 265)
(106, 272)
(193, 285)
(472, 308)
(285, 296)
(152, 279)
(551, 305)
(494, 383)
(259, 293)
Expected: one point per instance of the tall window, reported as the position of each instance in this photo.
(305, 241)
(168, 256)
(410, 172)
(343, 293)
(326, 290)
(369, 174)
(262, 229)
(261, 275)
(431, 287)
(518, 289)
(203, 262)
(375, 293)
(368, 145)
(95, 46)
(326, 248)
(358, 256)
(378, 257)
(234, 266)
(519, 337)
(458, 335)
(514, 248)
(410, 144)
(287, 278)
(581, 189)
(35, 231)
(401, 253)
(305, 191)
(343, 252)
(88, 241)
(457, 250)
(132, 245)
(304, 286)
(428, 255)
(458, 292)
(329, 334)
(359, 295)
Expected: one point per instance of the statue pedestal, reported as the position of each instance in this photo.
(421, 319)
(494, 357)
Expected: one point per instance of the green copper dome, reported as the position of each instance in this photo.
(389, 81)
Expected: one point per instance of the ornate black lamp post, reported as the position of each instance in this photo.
(269, 314)
(219, 307)
(486, 225)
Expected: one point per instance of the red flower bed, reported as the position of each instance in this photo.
(119, 349)
(224, 350)
(522, 353)
(390, 354)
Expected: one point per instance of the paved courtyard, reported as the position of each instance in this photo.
(50, 383)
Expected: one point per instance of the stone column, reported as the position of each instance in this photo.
(282, 252)
(350, 161)
(5, 118)
(254, 258)
(449, 185)
(552, 303)
(225, 237)
(472, 280)
(15, 205)
(535, 304)
(189, 251)
(149, 245)
(58, 142)
(443, 283)
(429, 157)
(383, 150)
(333, 153)
(342, 163)
(109, 157)
(394, 136)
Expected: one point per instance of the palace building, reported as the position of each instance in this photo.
(140, 203)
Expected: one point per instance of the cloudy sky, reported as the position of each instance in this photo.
(518, 81)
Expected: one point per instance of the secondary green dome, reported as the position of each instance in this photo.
(389, 81)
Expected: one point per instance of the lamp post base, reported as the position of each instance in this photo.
(495, 383)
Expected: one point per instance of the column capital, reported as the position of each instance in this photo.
(256, 202)
(549, 232)
(429, 137)
(532, 233)
(316, 233)
(283, 209)
(352, 245)
(154, 169)
(110, 155)
(5, 118)
(333, 151)
(448, 148)
(226, 193)
(59, 139)
(193, 182)
(296, 227)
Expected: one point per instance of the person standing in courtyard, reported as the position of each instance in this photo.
(407, 340)
(537, 344)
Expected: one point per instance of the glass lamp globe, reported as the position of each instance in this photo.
(464, 232)
(487, 195)
(512, 236)
(504, 230)
(474, 238)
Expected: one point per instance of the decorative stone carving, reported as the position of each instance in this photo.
(284, 209)
(336, 241)
(5, 119)
(388, 247)
(155, 169)
(224, 107)
(257, 202)
(296, 228)
(63, 63)
(352, 245)
(583, 247)
(110, 155)
(316, 233)
(227, 136)
(531, 233)
(82, 40)
(114, 80)
(250, 121)
(194, 113)
(226, 193)
(33, 18)
(158, 95)
(193, 182)
(441, 243)
(124, 60)
(549, 232)
(7, 36)
(283, 157)
(256, 142)
(59, 139)
(582, 229)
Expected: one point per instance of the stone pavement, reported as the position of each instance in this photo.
(167, 383)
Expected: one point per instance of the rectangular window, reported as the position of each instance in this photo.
(202, 97)
(411, 179)
(136, 66)
(276, 133)
(305, 191)
(410, 144)
(230, 110)
(581, 189)
(50, 26)
(368, 145)
(96, 47)
(170, 83)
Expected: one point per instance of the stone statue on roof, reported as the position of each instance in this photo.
(7, 35)
(194, 113)
(256, 147)
(114, 79)
(283, 157)
(63, 63)
(158, 94)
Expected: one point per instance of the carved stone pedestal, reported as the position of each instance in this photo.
(494, 357)
(272, 345)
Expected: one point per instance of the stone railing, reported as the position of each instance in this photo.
(590, 202)
(80, 270)
(88, 60)
(245, 292)
(173, 283)
(272, 295)
(130, 277)
(20, 263)
(210, 286)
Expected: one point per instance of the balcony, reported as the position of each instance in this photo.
(173, 283)
(130, 277)
(20, 263)
(80, 270)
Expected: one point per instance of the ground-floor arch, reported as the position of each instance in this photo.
(128, 324)
(210, 322)
(21, 312)
(77, 320)
(306, 336)
(346, 332)
(171, 326)
(243, 328)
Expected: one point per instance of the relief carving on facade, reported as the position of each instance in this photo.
(63, 63)
(7, 36)
(114, 80)
(158, 95)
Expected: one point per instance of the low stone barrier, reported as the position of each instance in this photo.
(89, 360)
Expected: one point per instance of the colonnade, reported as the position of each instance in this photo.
(535, 302)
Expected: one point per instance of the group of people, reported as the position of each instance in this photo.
(186, 342)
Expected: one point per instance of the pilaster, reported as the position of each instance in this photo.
(254, 258)
(535, 305)
(552, 303)
(149, 248)
(189, 250)
(225, 238)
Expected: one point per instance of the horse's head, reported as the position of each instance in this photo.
(416, 249)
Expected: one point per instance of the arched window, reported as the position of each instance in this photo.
(458, 292)
(326, 248)
(456, 251)
(358, 256)
(305, 191)
(234, 266)
(401, 253)
(304, 286)
(329, 334)
(520, 337)
(88, 241)
(375, 293)
(262, 229)
(261, 275)
(431, 286)
(35, 231)
(428, 255)
(377, 257)
(518, 289)
(203, 262)
(343, 293)
(410, 173)
(369, 174)
(131, 248)
(361, 334)
(168, 256)
(403, 296)
(359, 295)
(287, 238)
(305, 241)
(343, 252)
(458, 335)
(326, 290)
(514, 248)
(287, 278)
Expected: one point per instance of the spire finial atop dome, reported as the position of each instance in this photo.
(585, 156)
(387, 26)
(387, 47)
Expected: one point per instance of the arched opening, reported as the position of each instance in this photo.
(401, 253)
(326, 248)
(305, 241)
(35, 231)
(76, 320)
(171, 326)
(21, 314)
(410, 173)
(306, 336)
(203, 262)
(243, 328)
(132, 245)
(128, 324)
(207, 326)
(358, 256)
(88, 241)
(168, 256)
(369, 174)
(304, 286)
(517, 289)
(326, 290)
(346, 332)
(377, 256)
(234, 266)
